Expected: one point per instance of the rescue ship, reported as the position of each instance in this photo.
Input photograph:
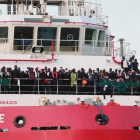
(78, 33)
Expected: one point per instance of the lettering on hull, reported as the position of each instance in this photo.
(2, 118)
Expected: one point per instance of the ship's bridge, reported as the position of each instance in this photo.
(78, 28)
(82, 35)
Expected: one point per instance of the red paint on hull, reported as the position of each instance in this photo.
(73, 135)
(81, 121)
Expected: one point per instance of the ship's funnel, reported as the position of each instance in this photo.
(121, 46)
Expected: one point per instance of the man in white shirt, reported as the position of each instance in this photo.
(124, 64)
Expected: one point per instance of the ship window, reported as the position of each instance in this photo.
(136, 128)
(90, 35)
(101, 39)
(3, 34)
(3, 130)
(23, 38)
(51, 128)
(69, 39)
(45, 36)
(19, 121)
(100, 120)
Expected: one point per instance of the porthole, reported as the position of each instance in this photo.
(100, 120)
(19, 121)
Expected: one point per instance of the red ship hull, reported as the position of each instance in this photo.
(81, 121)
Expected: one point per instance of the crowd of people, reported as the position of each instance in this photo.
(66, 79)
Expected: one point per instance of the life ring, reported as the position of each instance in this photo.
(70, 37)
(41, 100)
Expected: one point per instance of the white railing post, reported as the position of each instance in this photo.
(18, 80)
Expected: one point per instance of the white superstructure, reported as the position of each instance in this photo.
(78, 34)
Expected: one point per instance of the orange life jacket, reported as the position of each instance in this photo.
(81, 106)
(84, 82)
(101, 75)
(112, 104)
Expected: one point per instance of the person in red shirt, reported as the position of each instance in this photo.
(112, 103)
(83, 104)
(31, 80)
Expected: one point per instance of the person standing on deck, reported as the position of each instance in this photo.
(112, 103)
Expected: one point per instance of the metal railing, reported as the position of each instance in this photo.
(85, 8)
(37, 86)
(85, 47)
(81, 47)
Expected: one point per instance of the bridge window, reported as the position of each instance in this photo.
(69, 39)
(90, 36)
(45, 36)
(23, 38)
(3, 34)
(101, 39)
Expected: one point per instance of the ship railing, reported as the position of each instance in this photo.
(89, 9)
(74, 46)
(38, 86)
(81, 47)
(127, 52)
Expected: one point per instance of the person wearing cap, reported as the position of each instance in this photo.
(112, 103)
(106, 91)
(83, 104)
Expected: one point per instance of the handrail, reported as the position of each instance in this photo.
(28, 60)
(85, 23)
(113, 57)
(25, 22)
